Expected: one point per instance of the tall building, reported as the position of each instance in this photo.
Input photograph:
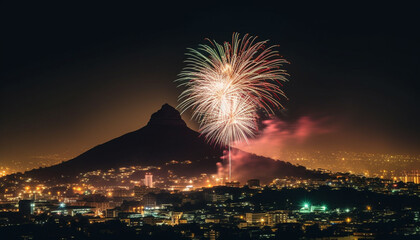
(413, 176)
(26, 207)
(148, 180)
(278, 216)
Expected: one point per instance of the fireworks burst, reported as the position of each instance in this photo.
(235, 121)
(226, 84)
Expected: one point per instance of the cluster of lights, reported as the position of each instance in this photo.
(307, 206)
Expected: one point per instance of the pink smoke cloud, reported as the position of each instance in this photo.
(246, 166)
(276, 135)
(257, 158)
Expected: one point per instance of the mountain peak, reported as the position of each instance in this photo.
(167, 115)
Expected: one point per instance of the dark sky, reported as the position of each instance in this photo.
(76, 75)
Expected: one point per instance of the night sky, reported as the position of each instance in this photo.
(76, 75)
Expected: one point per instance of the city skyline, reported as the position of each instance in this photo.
(209, 121)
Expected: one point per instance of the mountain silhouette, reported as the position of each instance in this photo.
(166, 137)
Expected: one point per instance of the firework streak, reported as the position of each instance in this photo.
(226, 85)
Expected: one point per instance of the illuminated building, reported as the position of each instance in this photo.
(413, 177)
(305, 208)
(72, 210)
(318, 208)
(148, 180)
(212, 234)
(255, 218)
(275, 217)
(175, 217)
(308, 208)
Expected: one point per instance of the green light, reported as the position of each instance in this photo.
(347, 210)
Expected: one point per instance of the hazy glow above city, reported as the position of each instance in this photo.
(78, 86)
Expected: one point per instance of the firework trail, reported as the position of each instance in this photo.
(226, 84)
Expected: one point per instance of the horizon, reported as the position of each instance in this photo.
(284, 154)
